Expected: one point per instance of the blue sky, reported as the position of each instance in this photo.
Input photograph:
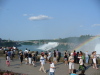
(48, 19)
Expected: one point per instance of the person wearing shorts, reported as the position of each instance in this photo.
(65, 59)
(71, 63)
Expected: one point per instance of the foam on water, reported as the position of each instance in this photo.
(49, 46)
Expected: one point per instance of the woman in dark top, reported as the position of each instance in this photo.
(77, 59)
(66, 59)
(21, 57)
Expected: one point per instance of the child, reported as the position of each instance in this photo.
(8, 60)
(52, 68)
(74, 72)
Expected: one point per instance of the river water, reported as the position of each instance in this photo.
(29, 47)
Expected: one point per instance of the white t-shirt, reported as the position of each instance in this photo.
(71, 58)
(42, 60)
(52, 69)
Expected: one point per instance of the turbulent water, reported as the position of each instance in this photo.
(29, 47)
(49, 46)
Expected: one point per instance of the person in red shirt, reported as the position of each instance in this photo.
(75, 57)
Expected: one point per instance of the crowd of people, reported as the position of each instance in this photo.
(69, 58)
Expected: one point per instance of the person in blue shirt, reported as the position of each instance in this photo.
(9, 53)
(74, 72)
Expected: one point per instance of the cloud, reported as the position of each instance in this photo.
(40, 17)
(25, 14)
(95, 25)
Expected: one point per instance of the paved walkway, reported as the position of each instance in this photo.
(61, 69)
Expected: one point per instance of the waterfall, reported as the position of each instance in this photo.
(48, 46)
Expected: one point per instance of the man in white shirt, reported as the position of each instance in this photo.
(52, 68)
(71, 63)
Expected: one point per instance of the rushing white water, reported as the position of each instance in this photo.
(97, 48)
(49, 46)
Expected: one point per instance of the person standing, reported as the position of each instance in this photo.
(21, 58)
(49, 55)
(26, 57)
(33, 59)
(59, 56)
(77, 59)
(12, 54)
(74, 53)
(94, 60)
(86, 57)
(71, 63)
(54, 58)
(9, 53)
(65, 59)
(52, 68)
(30, 58)
(7, 60)
(81, 64)
(91, 57)
(42, 63)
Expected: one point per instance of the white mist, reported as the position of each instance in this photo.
(97, 48)
(49, 46)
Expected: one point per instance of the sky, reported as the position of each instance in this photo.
(48, 19)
